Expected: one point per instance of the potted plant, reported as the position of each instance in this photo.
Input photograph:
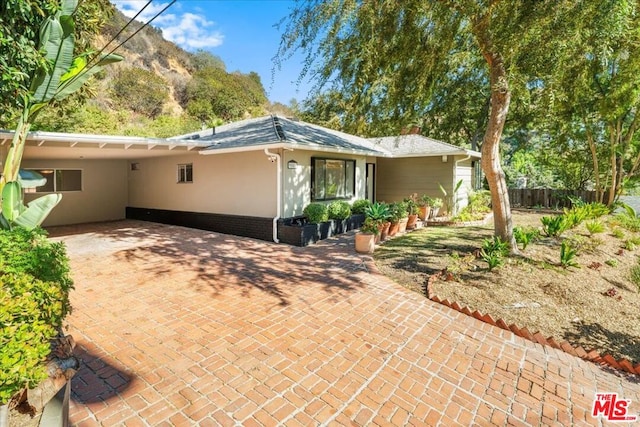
(380, 212)
(395, 216)
(338, 213)
(436, 204)
(404, 216)
(316, 213)
(365, 240)
(412, 211)
(358, 213)
(424, 207)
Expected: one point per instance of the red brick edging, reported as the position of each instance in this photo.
(537, 337)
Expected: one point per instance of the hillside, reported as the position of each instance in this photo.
(159, 90)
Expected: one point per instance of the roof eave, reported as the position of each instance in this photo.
(292, 146)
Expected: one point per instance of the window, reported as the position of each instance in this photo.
(58, 180)
(332, 179)
(185, 173)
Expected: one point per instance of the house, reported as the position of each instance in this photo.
(240, 178)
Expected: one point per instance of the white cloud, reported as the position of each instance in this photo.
(187, 30)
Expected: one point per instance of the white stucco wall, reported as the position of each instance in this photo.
(297, 182)
(234, 184)
(103, 196)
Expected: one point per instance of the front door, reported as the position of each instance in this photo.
(370, 193)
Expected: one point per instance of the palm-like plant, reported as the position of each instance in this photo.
(63, 75)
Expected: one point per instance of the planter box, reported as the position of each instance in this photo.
(297, 232)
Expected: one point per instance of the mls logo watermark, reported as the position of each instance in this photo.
(611, 408)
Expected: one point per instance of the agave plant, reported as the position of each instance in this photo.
(63, 75)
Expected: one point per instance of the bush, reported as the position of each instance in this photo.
(634, 275)
(568, 255)
(339, 210)
(34, 299)
(316, 213)
(360, 206)
(140, 90)
(554, 226)
(493, 251)
(378, 211)
(594, 226)
(525, 235)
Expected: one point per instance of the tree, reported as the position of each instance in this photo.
(60, 74)
(140, 90)
(389, 60)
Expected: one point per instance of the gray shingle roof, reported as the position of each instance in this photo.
(273, 130)
(418, 146)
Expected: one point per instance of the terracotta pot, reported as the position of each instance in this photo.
(424, 213)
(365, 243)
(384, 232)
(402, 225)
(393, 229)
(411, 222)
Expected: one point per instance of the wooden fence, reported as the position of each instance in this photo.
(547, 198)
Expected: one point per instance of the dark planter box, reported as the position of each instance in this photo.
(297, 232)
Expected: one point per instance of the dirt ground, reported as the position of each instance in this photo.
(595, 305)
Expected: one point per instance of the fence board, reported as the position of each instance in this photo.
(547, 198)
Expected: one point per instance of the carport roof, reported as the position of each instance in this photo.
(272, 132)
(419, 146)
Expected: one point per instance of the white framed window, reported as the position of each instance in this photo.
(332, 179)
(58, 181)
(185, 173)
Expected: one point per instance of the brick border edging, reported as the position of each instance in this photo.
(537, 337)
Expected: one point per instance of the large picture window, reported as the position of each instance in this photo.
(332, 179)
(59, 180)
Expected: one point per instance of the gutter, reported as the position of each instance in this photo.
(278, 160)
(291, 146)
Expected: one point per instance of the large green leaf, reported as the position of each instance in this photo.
(11, 200)
(37, 211)
(80, 75)
(30, 179)
(57, 40)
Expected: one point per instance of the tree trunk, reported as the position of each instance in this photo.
(596, 167)
(500, 99)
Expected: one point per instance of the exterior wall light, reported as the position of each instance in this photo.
(292, 164)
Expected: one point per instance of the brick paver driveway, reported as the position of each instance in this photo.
(187, 327)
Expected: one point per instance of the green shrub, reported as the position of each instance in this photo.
(493, 251)
(612, 262)
(628, 219)
(634, 275)
(339, 210)
(595, 226)
(316, 213)
(397, 211)
(34, 299)
(140, 90)
(618, 233)
(631, 243)
(554, 226)
(525, 236)
(568, 255)
(370, 226)
(359, 206)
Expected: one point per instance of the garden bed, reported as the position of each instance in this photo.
(595, 305)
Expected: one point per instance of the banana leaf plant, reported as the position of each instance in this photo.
(63, 75)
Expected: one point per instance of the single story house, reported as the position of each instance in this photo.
(240, 178)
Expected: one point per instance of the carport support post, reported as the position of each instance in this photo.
(278, 159)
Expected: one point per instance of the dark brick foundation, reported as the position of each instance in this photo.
(246, 226)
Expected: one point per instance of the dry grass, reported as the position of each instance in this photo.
(595, 305)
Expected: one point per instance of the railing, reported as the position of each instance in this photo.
(547, 198)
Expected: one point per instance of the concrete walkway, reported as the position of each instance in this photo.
(186, 327)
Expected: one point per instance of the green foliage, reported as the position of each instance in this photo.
(425, 200)
(212, 92)
(634, 275)
(34, 299)
(493, 252)
(316, 213)
(378, 211)
(339, 210)
(553, 226)
(568, 255)
(628, 219)
(458, 265)
(478, 207)
(370, 226)
(203, 59)
(631, 243)
(618, 233)
(412, 204)
(584, 244)
(360, 206)
(525, 235)
(612, 262)
(140, 90)
(397, 211)
(436, 202)
(594, 227)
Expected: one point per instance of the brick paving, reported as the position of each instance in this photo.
(180, 327)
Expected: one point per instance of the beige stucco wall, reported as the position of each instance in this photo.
(103, 196)
(235, 184)
(296, 183)
(398, 178)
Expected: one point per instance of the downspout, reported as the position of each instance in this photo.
(455, 171)
(278, 160)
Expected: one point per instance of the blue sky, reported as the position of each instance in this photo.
(241, 32)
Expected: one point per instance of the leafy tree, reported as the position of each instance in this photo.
(594, 98)
(19, 35)
(202, 59)
(140, 90)
(389, 60)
